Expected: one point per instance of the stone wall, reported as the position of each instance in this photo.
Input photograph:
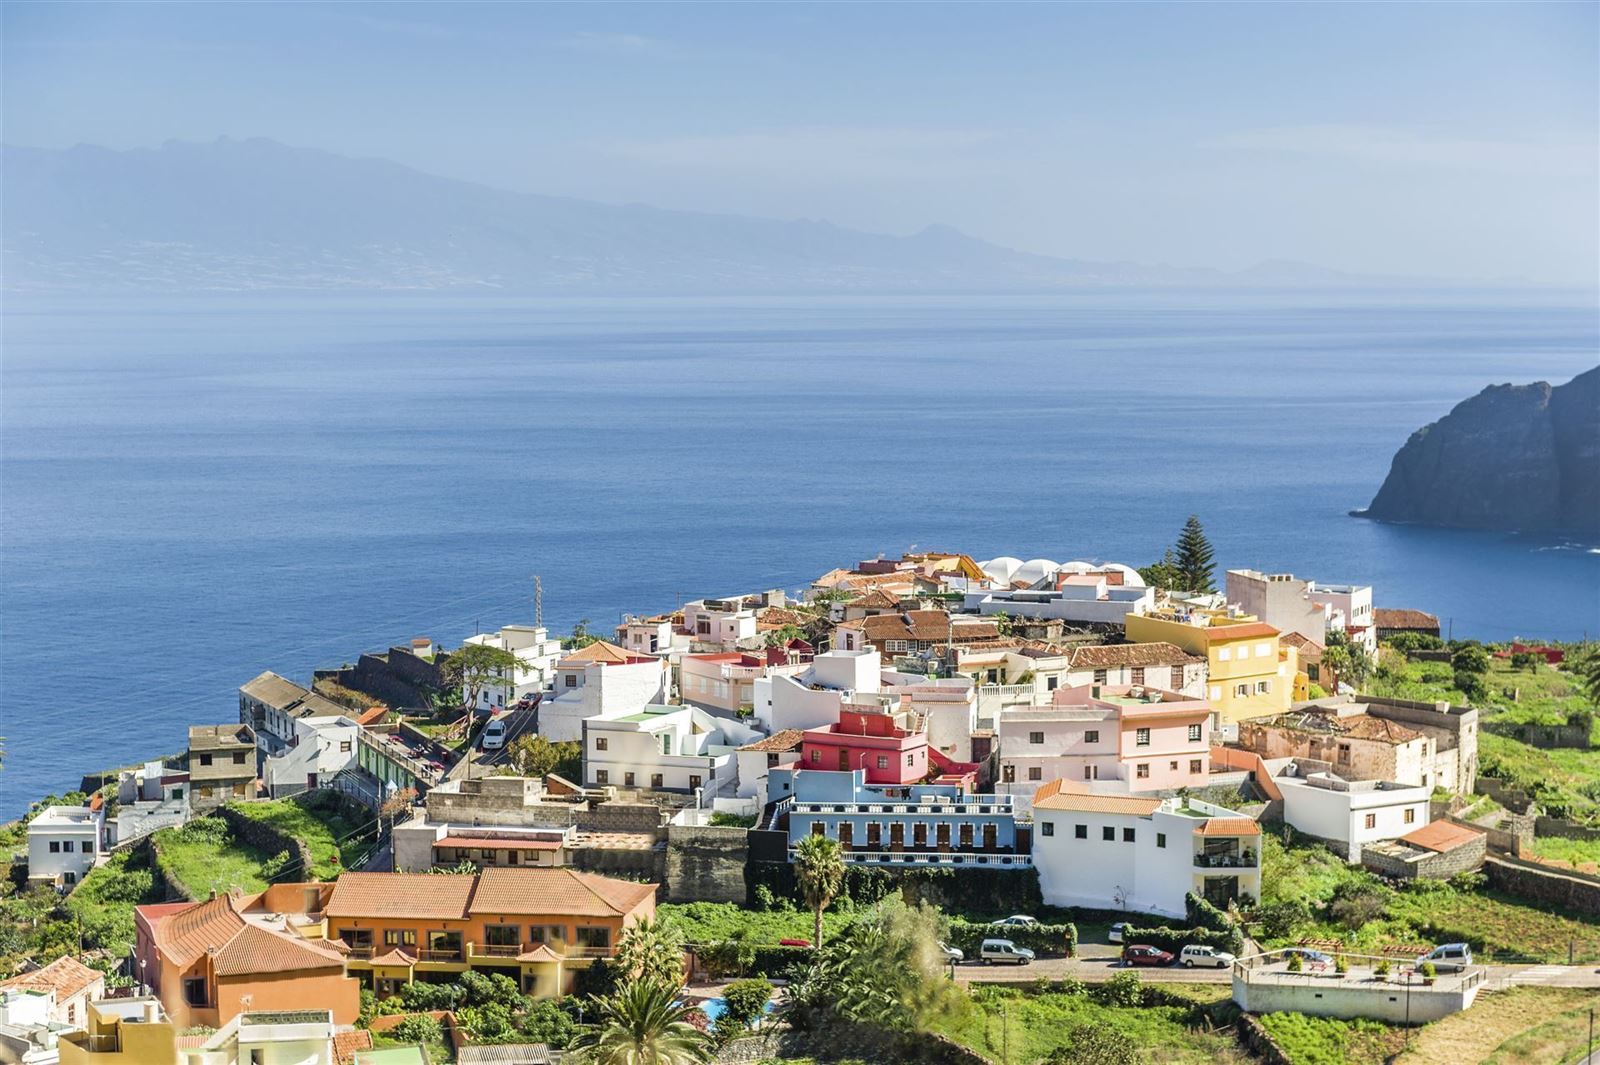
(1431, 865)
(1557, 826)
(620, 817)
(648, 865)
(1573, 891)
(1510, 796)
(399, 678)
(706, 863)
(1547, 736)
(1254, 1035)
(266, 838)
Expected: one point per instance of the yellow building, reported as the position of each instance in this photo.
(122, 1031)
(1251, 672)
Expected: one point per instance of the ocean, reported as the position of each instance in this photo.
(193, 491)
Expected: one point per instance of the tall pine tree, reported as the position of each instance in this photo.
(1195, 561)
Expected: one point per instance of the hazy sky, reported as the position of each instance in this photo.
(1442, 139)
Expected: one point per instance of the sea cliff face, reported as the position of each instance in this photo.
(1516, 458)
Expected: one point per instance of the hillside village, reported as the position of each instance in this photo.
(1233, 817)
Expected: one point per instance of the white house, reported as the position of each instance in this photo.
(271, 704)
(322, 747)
(756, 760)
(300, 1037)
(64, 842)
(813, 698)
(537, 654)
(1349, 814)
(600, 679)
(1308, 607)
(69, 985)
(724, 623)
(1080, 598)
(662, 747)
(653, 635)
(1129, 852)
(945, 709)
(149, 797)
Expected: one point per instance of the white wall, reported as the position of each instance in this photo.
(63, 827)
(604, 689)
(1340, 816)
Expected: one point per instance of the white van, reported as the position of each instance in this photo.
(494, 734)
(1449, 958)
(1004, 951)
(1205, 957)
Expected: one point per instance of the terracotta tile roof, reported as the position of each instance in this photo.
(505, 1054)
(1131, 654)
(1356, 726)
(1228, 826)
(1307, 647)
(850, 580)
(556, 891)
(280, 693)
(372, 715)
(500, 843)
(539, 953)
(189, 933)
(396, 956)
(926, 625)
(776, 617)
(414, 895)
(1247, 630)
(787, 740)
(345, 1045)
(1440, 836)
(1064, 795)
(1391, 618)
(601, 651)
(65, 976)
(258, 950)
(877, 599)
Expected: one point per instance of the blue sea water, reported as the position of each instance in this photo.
(192, 492)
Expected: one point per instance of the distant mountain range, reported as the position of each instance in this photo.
(256, 215)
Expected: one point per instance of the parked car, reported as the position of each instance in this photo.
(1018, 920)
(1205, 957)
(494, 734)
(1143, 954)
(1449, 958)
(951, 953)
(1004, 951)
(1305, 954)
(1117, 929)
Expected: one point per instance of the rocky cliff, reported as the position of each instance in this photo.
(1522, 458)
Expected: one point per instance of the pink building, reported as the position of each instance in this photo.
(870, 740)
(1147, 739)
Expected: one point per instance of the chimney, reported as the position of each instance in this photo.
(152, 1012)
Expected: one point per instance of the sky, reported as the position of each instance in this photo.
(1443, 140)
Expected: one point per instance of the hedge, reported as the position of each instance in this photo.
(1202, 914)
(1175, 939)
(1041, 938)
(972, 889)
(780, 963)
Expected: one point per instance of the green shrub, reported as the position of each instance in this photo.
(745, 1002)
(1043, 938)
(418, 1029)
(1095, 1044)
(1175, 939)
(1295, 964)
(1123, 989)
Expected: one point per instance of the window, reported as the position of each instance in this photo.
(666, 743)
(1127, 835)
(1173, 765)
(1091, 772)
(816, 755)
(1344, 754)
(601, 743)
(1137, 675)
(911, 759)
(1050, 683)
(1141, 737)
(602, 776)
(1194, 733)
(1313, 671)
(258, 1057)
(1176, 683)
(1142, 770)
(594, 938)
(1241, 691)
(205, 793)
(1371, 821)
(694, 782)
(883, 761)
(1108, 834)
(66, 846)
(1035, 773)
(1161, 839)
(1196, 765)
(400, 937)
(895, 645)
(1263, 687)
(1411, 816)
(1047, 828)
(1080, 831)
(205, 759)
(1092, 736)
(1225, 654)
(627, 780)
(1008, 773)
(238, 758)
(818, 828)
(69, 877)
(1035, 737)
(655, 780)
(1263, 650)
(55, 846)
(1099, 676)
(194, 992)
(1215, 691)
(344, 747)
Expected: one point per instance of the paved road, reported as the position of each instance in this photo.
(1089, 970)
(478, 762)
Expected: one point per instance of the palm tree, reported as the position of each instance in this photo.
(652, 950)
(819, 866)
(641, 1025)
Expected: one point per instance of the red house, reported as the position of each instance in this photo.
(868, 739)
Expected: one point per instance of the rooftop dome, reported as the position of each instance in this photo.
(1035, 570)
(1000, 569)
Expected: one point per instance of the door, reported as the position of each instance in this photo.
(919, 835)
(874, 835)
(966, 836)
(844, 761)
(847, 834)
(991, 837)
(942, 835)
(1221, 890)
(897, 836)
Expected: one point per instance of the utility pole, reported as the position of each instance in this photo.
(538, 602)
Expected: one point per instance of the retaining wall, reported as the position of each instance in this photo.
(706, 863)
(1557, 887)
